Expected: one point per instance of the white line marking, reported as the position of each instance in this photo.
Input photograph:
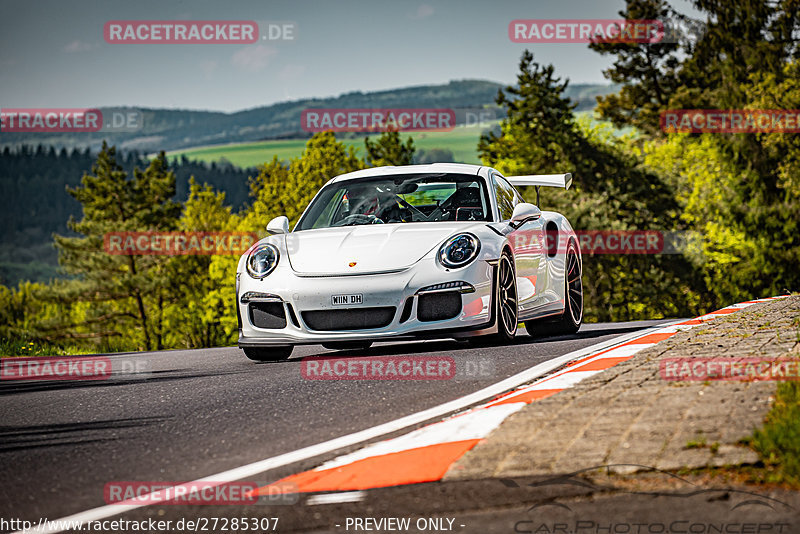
(335, 498)
(245, 471)
(622, 352)
(472, 425)
(563, 381)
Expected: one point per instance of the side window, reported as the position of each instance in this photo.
(506, 197)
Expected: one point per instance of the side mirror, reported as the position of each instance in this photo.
(524, 212)
(278, 225)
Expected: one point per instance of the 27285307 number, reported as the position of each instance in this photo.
(237, 524)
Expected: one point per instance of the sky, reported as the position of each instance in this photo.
(53, 53)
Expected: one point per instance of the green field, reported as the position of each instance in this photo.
(462, 141)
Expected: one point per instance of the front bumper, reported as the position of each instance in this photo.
(305, 294)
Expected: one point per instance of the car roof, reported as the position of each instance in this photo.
(433, 168)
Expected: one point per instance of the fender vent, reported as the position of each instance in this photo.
(551, 234)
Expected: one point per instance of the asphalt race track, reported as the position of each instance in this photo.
(194, 413)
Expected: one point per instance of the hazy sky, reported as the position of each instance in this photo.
(52, 53)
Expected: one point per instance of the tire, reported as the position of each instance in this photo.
(348, 345)
(569, 322)
(506, 309)
(267, 354)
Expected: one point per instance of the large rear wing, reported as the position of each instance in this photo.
(538, 180)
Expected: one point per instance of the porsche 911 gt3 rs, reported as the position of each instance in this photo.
(441, 250)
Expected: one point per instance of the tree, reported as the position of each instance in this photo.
(194, 317)
(539, 131)
(124, 295)
(612, 191)
(434, 155)
(740, 38)
(269, 191)
(743, 203)
(738, 191)
(323, 158)
(389, 150)
(647, 70)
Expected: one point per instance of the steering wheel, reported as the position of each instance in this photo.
(359, 218)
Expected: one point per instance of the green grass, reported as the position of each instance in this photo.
(462, 141)
(10, 348)
(699, 443)
(245, 154)
(778, 442)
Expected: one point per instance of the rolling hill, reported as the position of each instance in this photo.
(174, 129)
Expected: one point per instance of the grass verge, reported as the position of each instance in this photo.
(778, 441)
(13, 348)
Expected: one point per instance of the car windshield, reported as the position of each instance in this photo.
(399, 199)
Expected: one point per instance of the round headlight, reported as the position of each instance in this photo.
(459, 250)
(262, 260)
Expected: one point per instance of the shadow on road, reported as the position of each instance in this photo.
(14, 387)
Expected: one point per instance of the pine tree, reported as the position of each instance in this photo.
(124, 295)
(737, 189)
(611, 191)
(647, 70)
(389, 150)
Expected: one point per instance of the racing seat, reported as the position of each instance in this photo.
(466, 204)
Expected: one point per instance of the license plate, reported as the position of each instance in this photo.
(345, 300)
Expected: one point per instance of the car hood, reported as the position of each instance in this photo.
(366, 248)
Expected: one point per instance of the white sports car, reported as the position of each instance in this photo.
(441, 250)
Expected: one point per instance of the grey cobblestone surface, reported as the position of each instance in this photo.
(629, 415)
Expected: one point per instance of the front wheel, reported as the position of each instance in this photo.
(505, 304)
(267, 354)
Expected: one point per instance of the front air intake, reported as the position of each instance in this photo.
(267, 314)
(349, 319)
(439, 306)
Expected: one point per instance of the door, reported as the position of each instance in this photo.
(528, 244)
